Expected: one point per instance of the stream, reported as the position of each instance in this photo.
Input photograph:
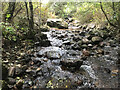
(55, 66)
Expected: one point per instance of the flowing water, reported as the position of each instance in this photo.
(96, 71)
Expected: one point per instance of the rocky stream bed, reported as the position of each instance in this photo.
(85, 58)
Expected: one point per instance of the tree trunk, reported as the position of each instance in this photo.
(9, 14)
(27, 10)
(31, 21)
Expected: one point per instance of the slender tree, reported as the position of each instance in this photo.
(107, 16)
(31, 21)
(27, 10)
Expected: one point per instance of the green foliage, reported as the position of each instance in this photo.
(22, 24)
(41, 11)
(87, 12)
(8, 15)
(59, 9)
(8, 31)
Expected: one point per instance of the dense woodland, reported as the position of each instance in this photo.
(32, 32)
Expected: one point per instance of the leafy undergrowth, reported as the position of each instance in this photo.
(16, 47)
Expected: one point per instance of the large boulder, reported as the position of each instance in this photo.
(53, 22)
(59, 23)
(42, 40)
(71, 64)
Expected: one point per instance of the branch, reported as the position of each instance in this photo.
(106, 16)
(17, 12)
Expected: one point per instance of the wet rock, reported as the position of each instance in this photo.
(11, 71)
(53, 55)
(57, 23)
(96, 39)
(71, 63)
(19, 84)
